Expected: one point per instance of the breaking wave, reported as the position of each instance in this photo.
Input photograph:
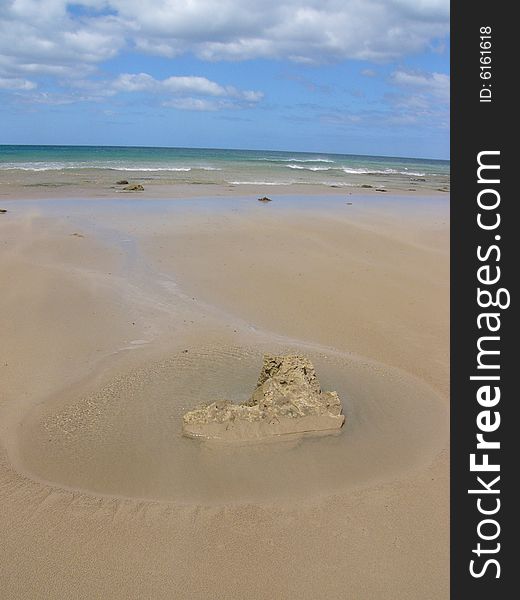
(299, 160)
(261, 182)
(364, 171)
(106, 166)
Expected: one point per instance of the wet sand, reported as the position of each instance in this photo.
(117, 316)
(36, 186)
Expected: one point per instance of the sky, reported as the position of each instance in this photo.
(345, 76)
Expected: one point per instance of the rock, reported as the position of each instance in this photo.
(122, 182)
(264, 199)
(417, 179)
(134, 187)
(365, 185)
(381, 190)
(3, 210)
(287, 400)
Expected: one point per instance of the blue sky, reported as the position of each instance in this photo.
(347, 76)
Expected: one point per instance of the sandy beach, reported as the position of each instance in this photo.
(119, 312)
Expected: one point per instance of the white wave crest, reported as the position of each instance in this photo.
(147, 169)
(260, 182)
(299, 160)
(364, 171)
(40, 166)
(300, 167)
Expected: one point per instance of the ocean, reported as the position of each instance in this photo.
(214, 166)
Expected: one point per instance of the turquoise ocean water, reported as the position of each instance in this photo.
(232, 167)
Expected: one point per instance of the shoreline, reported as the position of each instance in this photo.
(186, 191)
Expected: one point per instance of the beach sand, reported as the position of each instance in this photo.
(36, 186)
(118, 315)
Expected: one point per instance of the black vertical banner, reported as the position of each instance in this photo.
(483, 326)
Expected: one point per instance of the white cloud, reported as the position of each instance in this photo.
(67, 42)
(50, 34)
(199, 85)
(15, 83)
(198, 104)
(420, 98)
(309, 31)
(139, 82)
(185, 91)
(44, 34)
(424, 9)
(59, 99)
(436, 84)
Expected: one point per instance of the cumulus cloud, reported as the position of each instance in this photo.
(437, 84)
(299, 30)
(15, 83)
(61, 34)
(44, 37)
(139, 82)
(199, 104)
(188, 92)
(66, 43)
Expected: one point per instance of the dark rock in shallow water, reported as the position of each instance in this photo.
(365, 185)
(264, 199)
(122, 182)
(3, 210)
(381, 190)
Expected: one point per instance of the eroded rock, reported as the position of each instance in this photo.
(287, 400)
